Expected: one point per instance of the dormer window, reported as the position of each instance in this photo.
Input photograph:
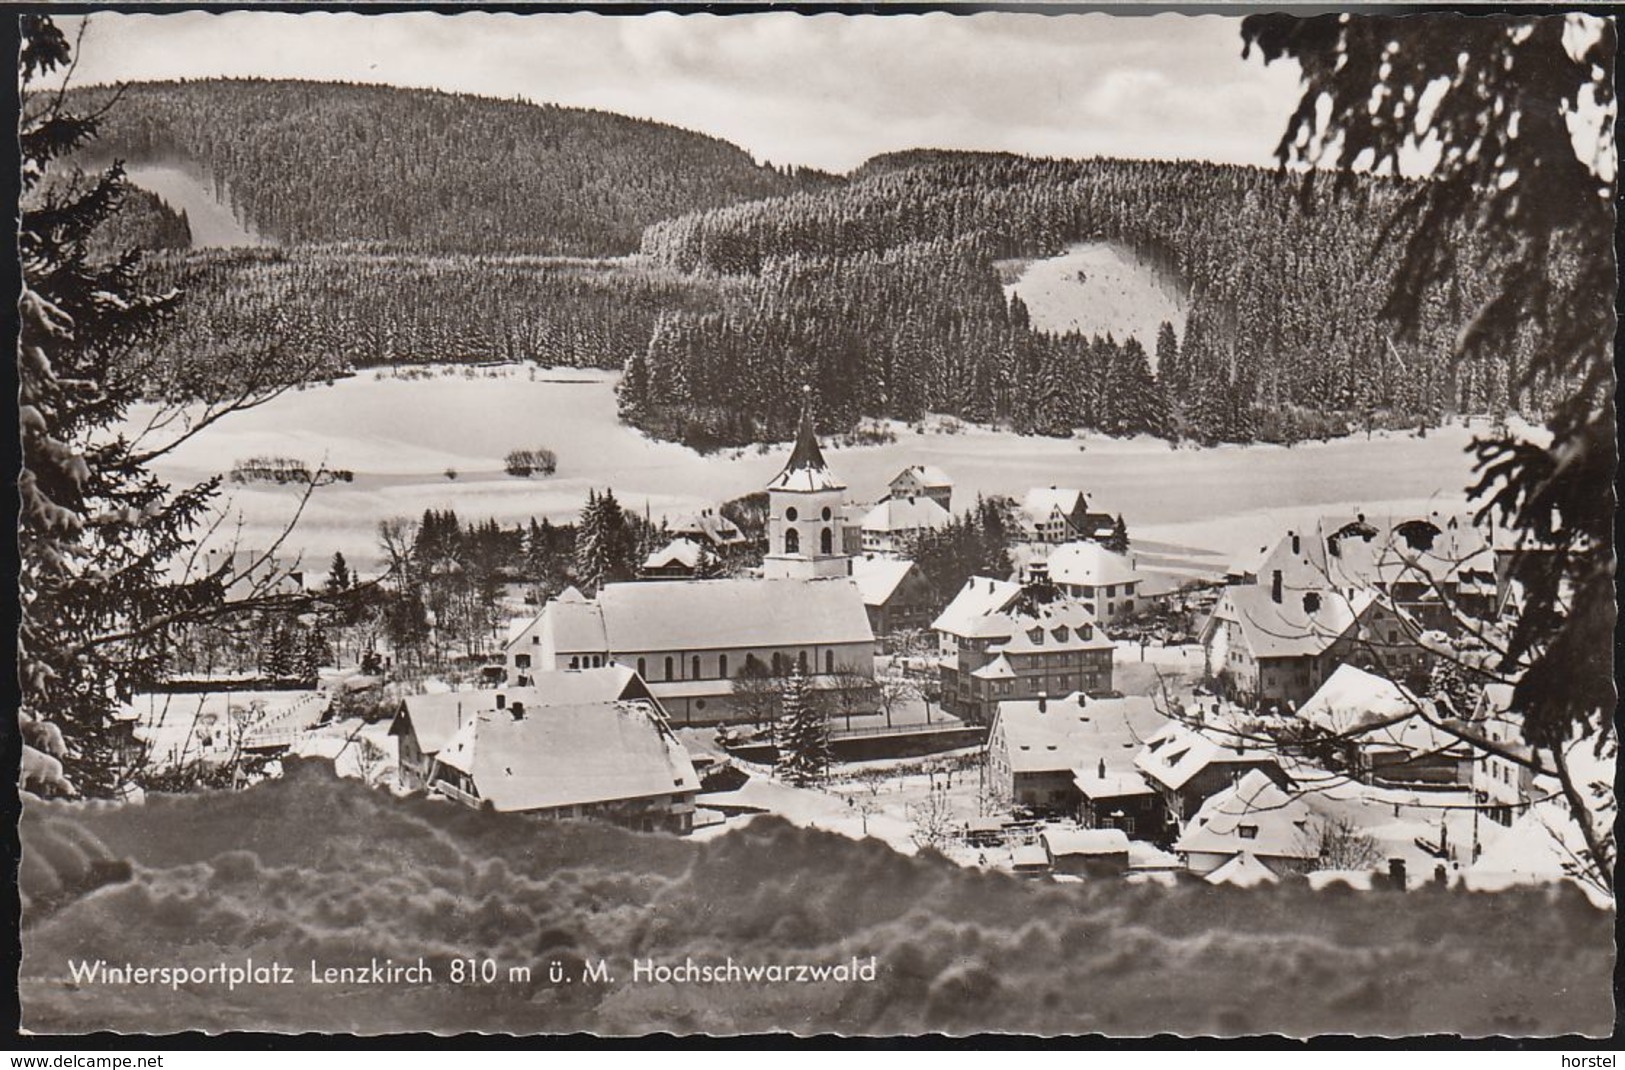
(1086, 632)
(1059, 634)
(1037, 636)
(1247, 832)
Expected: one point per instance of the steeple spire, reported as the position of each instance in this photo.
(806, 469)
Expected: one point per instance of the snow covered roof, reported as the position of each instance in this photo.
(731, 613)
(976, 600)
(1040, 503)
(680, 551)
(570, 626)
(997, 669)
(927, 475)
(1352, 697)
(713, 527)
(436, 718)
(1289, 628)
(1243, 871)
(879, 577)
(1090, 564)
(1177, 752)
(1540, 847)
(1075, 732)
(1029, 855)
(806, 471)
(1063, 624)
(1061, 842)
(1252, 815)
(1378, 551)
(906, 514)
(570, 755)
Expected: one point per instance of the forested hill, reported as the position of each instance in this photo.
(408, 169)
(884, 295)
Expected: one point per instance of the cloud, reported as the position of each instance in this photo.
(824, 90)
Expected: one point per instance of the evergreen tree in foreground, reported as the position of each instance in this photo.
(97, 531)
(803, 734)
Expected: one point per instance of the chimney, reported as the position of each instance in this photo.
(518, 711)
(502, 700)
(1100, 770)
(1296, 546)
(1275, 587)
(1083, 700)
(1043, 703)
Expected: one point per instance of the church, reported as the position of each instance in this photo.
(693, 641)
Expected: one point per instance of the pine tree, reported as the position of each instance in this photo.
(1170, 370)
(314, 653)
(338, 575)
(97, 530)
(803, 734)
(281, 651)
(1118, 542)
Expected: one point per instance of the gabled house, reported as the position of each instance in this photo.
(1106, 583)
(617, 761)
(963, 618)
(1032, 649)
(924, 481)
(711, 528)
(425, 724)
(1074, 755)
(891, 526)
(1060, 514)
(1189, 766)
(1388, 731)
(1252, 817)
(1087, 852)
(1275, 644)
(895, 594)
(677, 560)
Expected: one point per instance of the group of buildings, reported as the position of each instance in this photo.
(1327, 632)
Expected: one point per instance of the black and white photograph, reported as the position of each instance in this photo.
(1033, 522)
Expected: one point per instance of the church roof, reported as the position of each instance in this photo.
(684, 615)
(806, 471)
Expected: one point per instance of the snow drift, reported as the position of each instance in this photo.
(312, 867)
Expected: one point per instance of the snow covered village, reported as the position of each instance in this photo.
(1066, 544)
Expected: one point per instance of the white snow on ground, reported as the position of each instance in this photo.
(1100, 288)
(399, 436)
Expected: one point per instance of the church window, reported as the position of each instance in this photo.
(792, 540)
(829, 661)
(778, 664)
(669, 668)
(643, 667)
(695, 665)
(827, 513)
(790, 513)
(801, 661)
(722, 666)
(826, 540)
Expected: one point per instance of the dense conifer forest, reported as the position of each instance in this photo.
(315, 162)
(885, 296)
(458, 229)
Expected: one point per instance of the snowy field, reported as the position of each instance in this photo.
(1101, 287)
(400, 437)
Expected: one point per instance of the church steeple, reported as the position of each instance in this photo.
(806, 471)
(805, 512)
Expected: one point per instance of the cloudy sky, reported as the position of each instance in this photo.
(825, 90)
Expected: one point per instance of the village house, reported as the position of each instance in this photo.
(1277, 644)
(1188, 766)
(1060, 514)
(1505, 789)
(1435, 569)
(1256, 817)
(1039, 753)
(611, 760)
(424, 724)
(891, 526)
(1387, 731)
(693, 641)
(1031, 649)
(961, 619)
(924, 481)
(896, 595)
(1106, 583)
(711, 528)
(1094, 853)
(677, 560)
